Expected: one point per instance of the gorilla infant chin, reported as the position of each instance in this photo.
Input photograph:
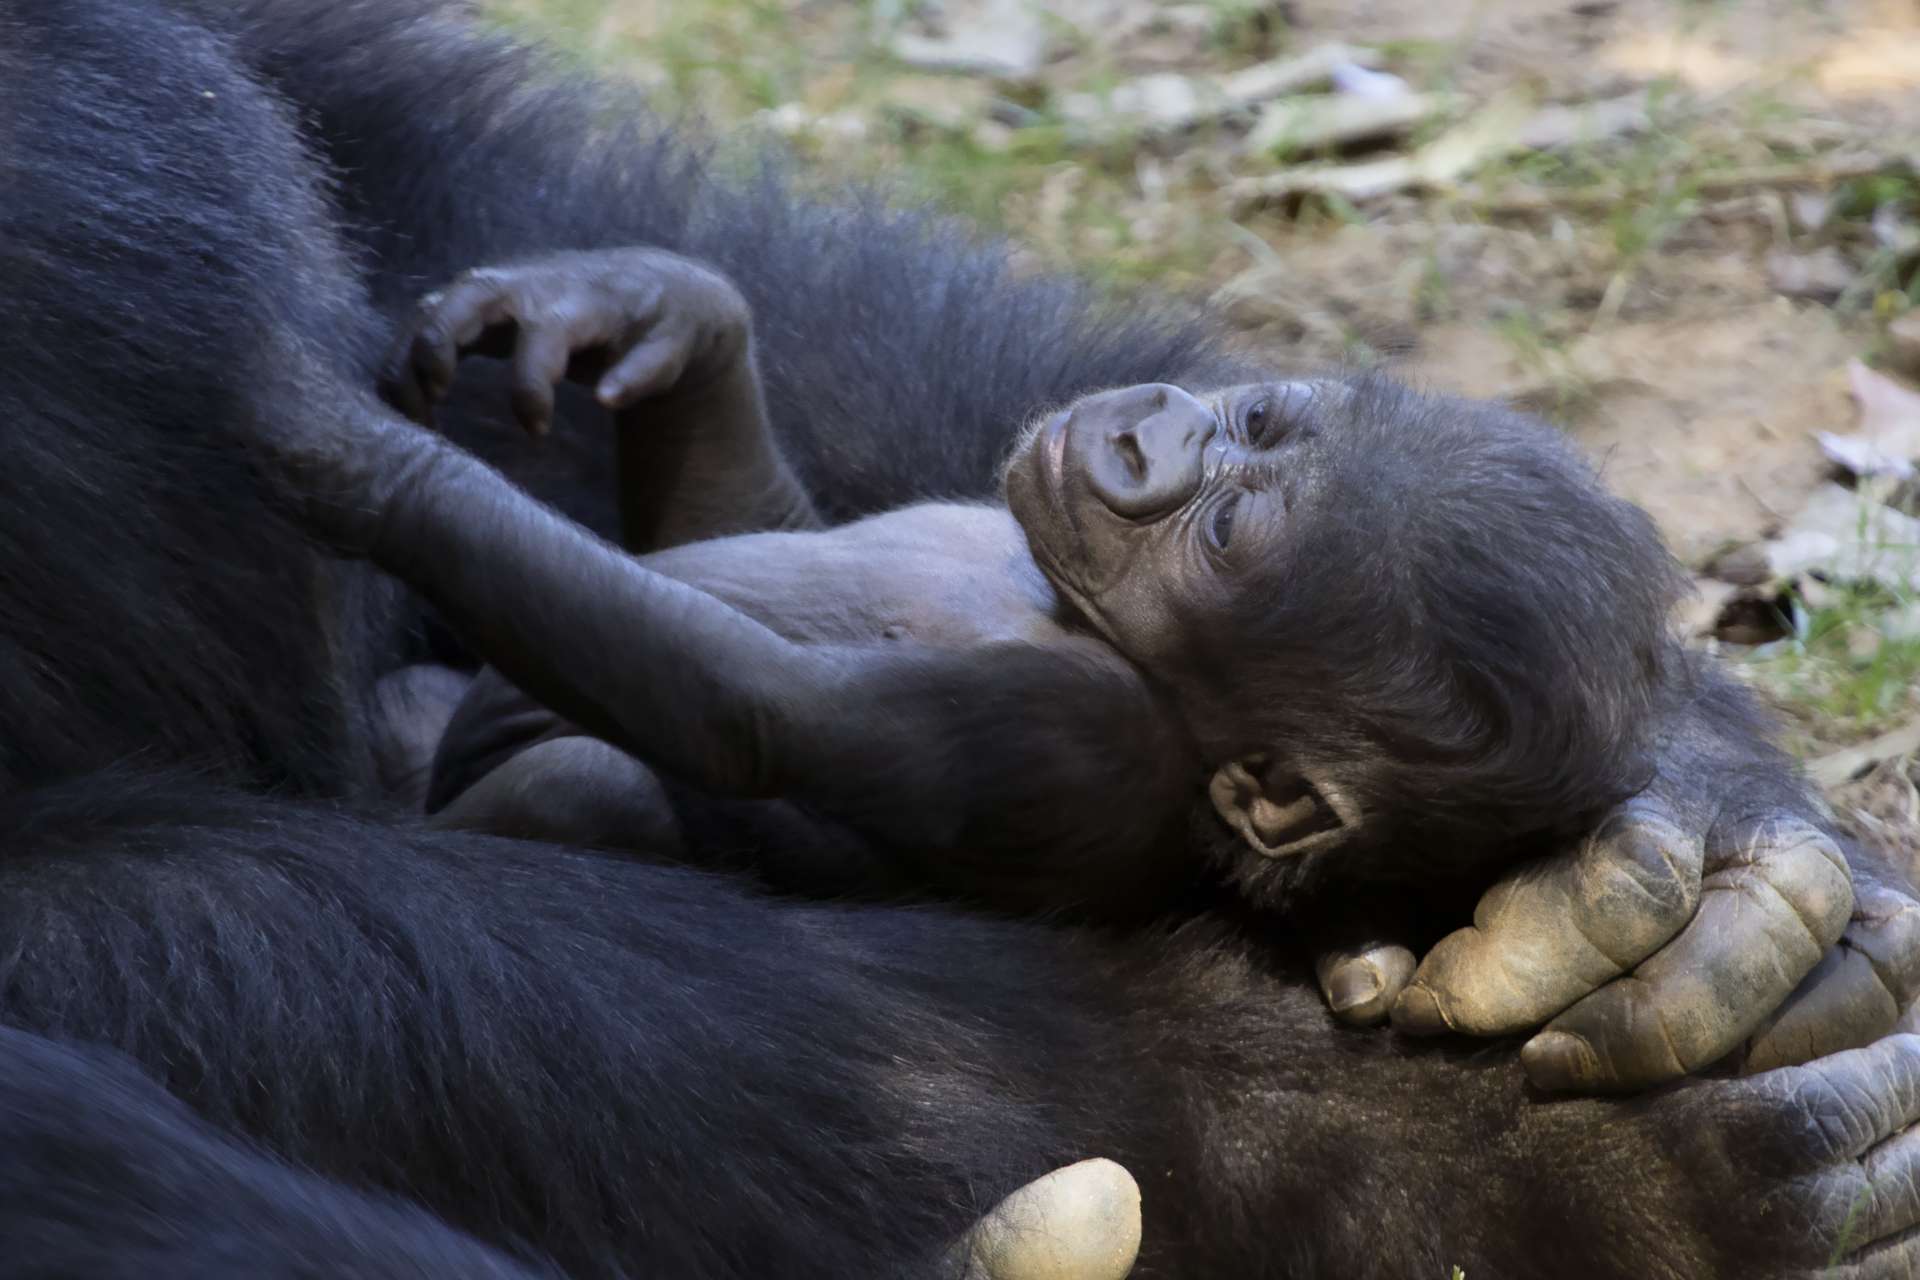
(1381, 638)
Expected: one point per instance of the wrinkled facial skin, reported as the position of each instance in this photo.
(1143, 505)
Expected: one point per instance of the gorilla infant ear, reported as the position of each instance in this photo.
(1278, 812)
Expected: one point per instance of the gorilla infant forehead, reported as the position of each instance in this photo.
(1385, 584)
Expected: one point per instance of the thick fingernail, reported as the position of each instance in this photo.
(1560, 1061)
(1418, 1013)
(1351, 986)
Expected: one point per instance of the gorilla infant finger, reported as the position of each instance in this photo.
(448, 321)
(653, 366)
(1556, 930)
(1361, 983)
(1081, 1222)
(539, 362)
(1775, 897)
(1856, 994)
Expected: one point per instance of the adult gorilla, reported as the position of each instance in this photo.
(628, 1067)
(899, 359)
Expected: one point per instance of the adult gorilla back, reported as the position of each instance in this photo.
(632, 1068)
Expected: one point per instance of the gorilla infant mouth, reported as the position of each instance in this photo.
(1034, 483)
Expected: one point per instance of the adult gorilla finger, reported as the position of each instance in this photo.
(1897, 1260)
(1555, 930)
(1077, 1223)
(1863, 1105)
(1852, 1121)
(1857, 993)
(1775, 897)
(1361, 983)
(1891, 1204)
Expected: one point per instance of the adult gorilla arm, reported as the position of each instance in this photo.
(105, 1174)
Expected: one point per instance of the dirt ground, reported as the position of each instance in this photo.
(1721, 213)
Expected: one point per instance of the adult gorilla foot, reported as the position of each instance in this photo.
(1081, 1222)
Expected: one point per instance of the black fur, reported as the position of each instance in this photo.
(103, 1175)
(916, 388)
(140, 312)
(629, 1068)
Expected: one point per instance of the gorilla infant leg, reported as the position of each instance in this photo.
(411, 710)
(570, 790)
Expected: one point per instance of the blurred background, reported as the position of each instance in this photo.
(1685, 231)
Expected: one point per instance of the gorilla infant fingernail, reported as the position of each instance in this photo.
(1559, 1061)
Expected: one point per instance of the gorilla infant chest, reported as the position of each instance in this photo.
(944, 574)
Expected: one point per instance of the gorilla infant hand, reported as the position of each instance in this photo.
(666, 343)
(637, 323)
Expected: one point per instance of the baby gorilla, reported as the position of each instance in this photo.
(1371, 637)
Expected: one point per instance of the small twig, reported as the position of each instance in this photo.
(1603, 196)
(1842, 766)
(1610, 302)
(1758, 501)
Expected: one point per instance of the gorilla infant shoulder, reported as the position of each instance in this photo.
(1339, 611)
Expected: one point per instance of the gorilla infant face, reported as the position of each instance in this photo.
(1144, 505)
(1378, 611)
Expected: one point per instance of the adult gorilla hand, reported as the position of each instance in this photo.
(1699, 915)
(1803, 1172)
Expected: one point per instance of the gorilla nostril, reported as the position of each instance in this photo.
(1127, 445)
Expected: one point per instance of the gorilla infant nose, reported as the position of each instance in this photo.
(1142, 448)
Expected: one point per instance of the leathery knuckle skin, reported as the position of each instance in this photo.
(1652, 862)
(1805, 867)
(1636, 885)
(1886, 930)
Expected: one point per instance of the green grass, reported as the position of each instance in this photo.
(1569, 390)
(1840, 665)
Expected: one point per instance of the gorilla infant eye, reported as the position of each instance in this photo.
(1220, 522)
(1256, 418)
